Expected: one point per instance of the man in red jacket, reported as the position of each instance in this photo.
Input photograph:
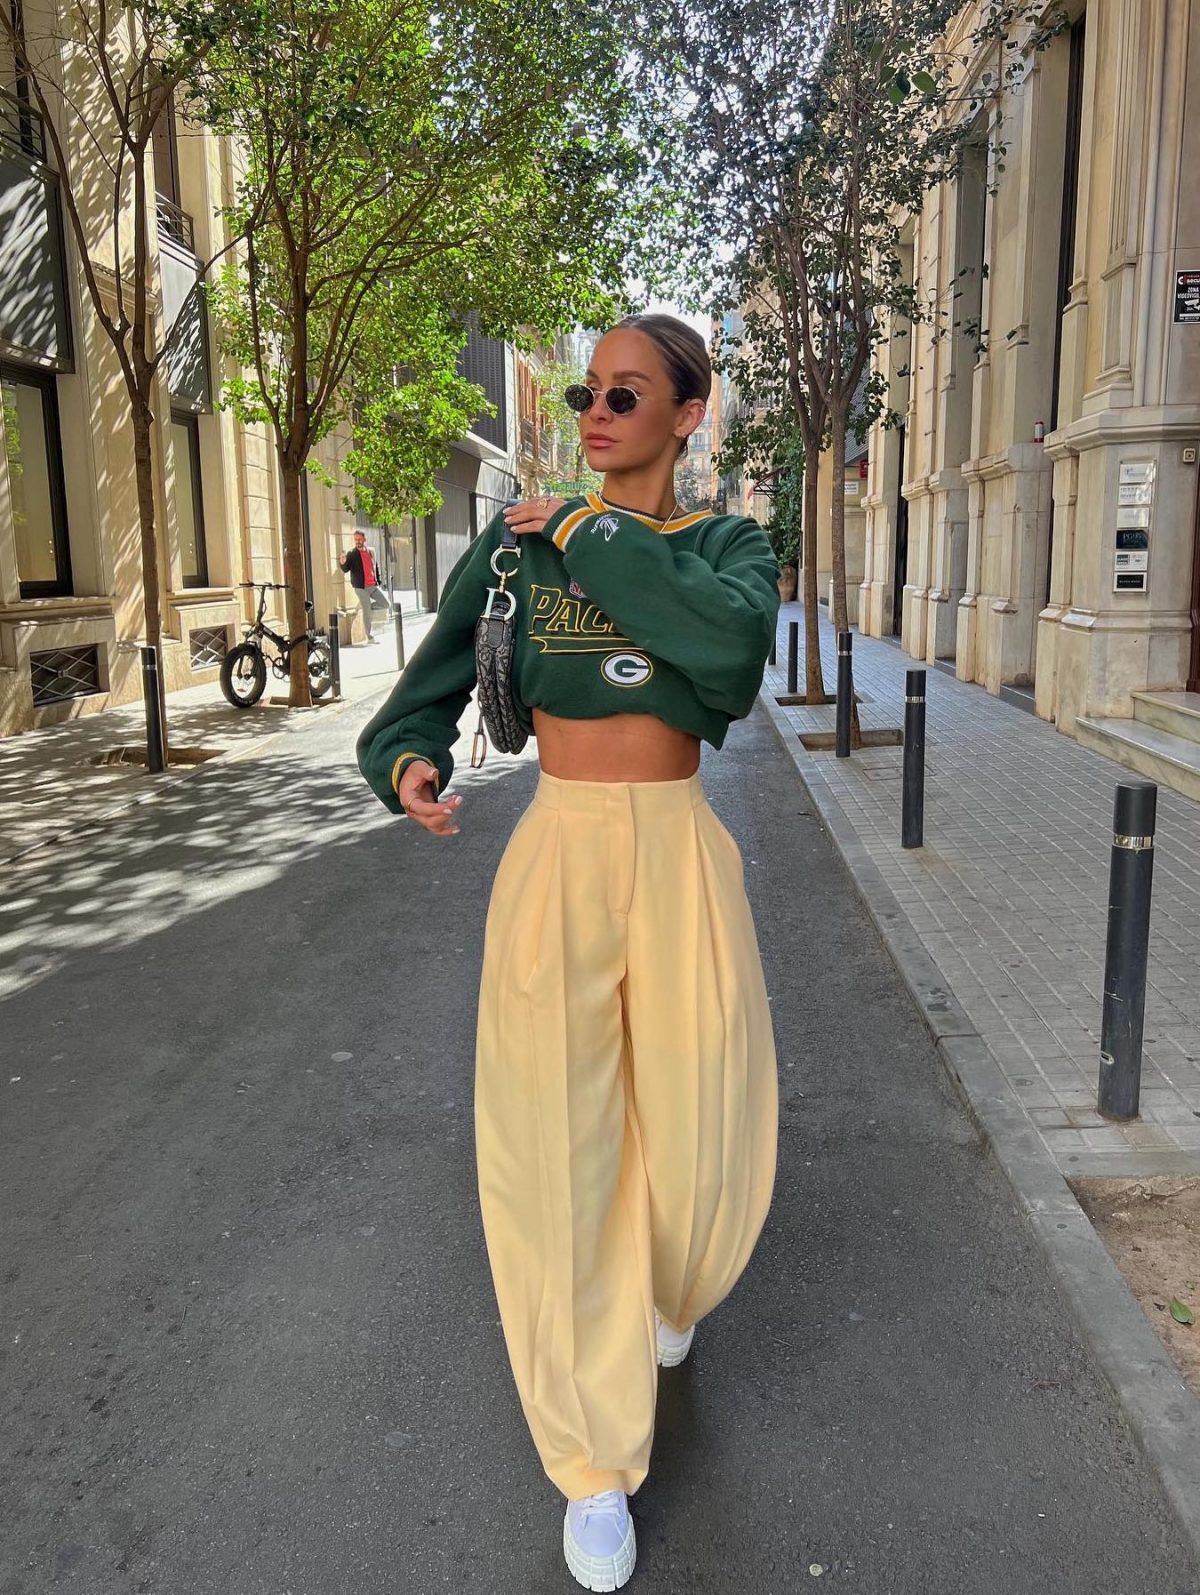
(361, 563)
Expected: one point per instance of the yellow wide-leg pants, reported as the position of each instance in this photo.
(626, 1104)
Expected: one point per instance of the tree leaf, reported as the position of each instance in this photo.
(1181, 1312)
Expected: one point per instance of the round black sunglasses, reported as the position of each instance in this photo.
(619, 400)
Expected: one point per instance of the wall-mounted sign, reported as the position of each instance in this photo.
(1135, 492)
(1135, 498)
(1133, 516)
(1187, 296)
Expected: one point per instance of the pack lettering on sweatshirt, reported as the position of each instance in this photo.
(563, 624)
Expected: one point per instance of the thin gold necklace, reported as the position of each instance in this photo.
(677, 509)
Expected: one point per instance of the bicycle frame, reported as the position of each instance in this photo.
(260, 629)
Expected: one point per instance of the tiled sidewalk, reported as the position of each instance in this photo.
(49, 787)
(1009, 898)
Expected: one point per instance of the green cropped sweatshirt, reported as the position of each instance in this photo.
(613, 616)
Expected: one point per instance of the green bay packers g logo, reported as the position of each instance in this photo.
(627, 670)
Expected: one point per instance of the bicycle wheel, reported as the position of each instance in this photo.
(243, 675)
(320, 668)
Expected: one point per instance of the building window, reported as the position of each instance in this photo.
(189, 499)
(483, 360)
(208, 645)
(33, 461)
(166, 154)
(1070, 201)
(63, 673)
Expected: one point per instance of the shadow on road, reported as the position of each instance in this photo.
(248, 1340)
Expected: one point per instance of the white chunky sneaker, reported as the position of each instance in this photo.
(673, 1347)
(598, 1540)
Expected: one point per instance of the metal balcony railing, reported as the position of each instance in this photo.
(175, 223)
(21, 125)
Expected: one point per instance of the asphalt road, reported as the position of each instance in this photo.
(248, 1343)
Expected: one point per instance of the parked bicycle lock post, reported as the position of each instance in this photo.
(793, 674)
(912, 824)
(1131, 876)
(845, 693)
(156, 752)
(335, 653)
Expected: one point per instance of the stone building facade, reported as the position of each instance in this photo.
(1035, 520)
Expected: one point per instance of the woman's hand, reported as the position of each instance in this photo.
(532, 513)
(418, 798)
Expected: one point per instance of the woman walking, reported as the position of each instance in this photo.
(626, 1106)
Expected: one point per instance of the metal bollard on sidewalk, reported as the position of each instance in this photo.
(773, 657)
(1131, 876)
(335, 653)
(156, 751)
(845, 693)
(793, 668)
(912, 825)
(398, 619)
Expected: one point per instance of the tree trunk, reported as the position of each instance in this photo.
(300, 694)
(142, 417)
(814, 680)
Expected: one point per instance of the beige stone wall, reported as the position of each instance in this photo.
(1011, 541)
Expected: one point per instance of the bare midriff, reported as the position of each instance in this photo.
(617, 747)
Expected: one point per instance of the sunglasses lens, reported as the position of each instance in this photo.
(579, 398)
(621, 400)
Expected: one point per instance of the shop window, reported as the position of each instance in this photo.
(32, 461)
(189, 499)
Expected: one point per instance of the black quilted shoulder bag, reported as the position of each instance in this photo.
(495, 650)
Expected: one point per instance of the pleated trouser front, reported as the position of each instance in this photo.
(626, 1104)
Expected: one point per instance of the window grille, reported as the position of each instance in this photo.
(63, 673)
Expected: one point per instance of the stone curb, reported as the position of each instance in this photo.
(1162, 1412)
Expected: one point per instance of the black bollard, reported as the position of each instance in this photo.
(335, 653)
(912, 827)
(773, 659)
(398, 618)
(793, 656)
(845, 694)
(156, 752)
(1131, 875)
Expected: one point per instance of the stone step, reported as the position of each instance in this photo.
(1162, 756)
(1177, 712)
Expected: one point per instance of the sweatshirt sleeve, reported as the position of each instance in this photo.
(420, 718)
(712, 621)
